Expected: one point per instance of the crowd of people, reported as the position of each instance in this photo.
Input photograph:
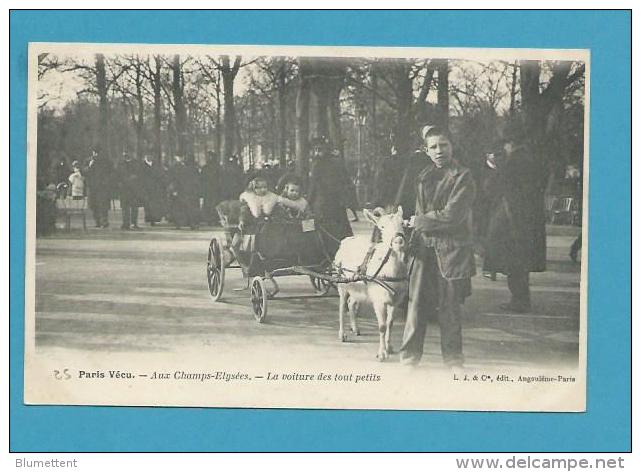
(181, 193)
(452, 212)
(186, 195)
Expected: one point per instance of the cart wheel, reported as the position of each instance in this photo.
(258, 297)
(215, 270)
(321, 286)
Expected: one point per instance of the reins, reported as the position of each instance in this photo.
(382, 281)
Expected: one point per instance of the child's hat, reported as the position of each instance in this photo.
(254, 174)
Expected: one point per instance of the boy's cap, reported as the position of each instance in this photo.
(433, 130)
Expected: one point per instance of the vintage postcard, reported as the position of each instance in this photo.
(307, 227)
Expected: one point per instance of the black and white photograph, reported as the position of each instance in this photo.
(307, 227)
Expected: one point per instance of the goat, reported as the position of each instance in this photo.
(380, 260)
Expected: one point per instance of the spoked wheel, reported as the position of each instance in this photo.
(215, 270)
(321, 286)
(258, 296)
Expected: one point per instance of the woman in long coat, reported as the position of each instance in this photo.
(232, 182)
(99, 175)
(154, 186)
(516, 240)
(211, 186)
(331, 193)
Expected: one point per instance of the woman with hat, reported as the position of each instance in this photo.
(516, 234)
(331, 193)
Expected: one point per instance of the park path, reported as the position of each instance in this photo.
(146, 291)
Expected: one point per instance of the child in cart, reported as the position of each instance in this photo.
(297, 207)
(258, 202)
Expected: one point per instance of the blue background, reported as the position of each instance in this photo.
(605, 426)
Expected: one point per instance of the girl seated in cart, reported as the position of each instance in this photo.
(297, 207)
(256, 202)
(259, 203)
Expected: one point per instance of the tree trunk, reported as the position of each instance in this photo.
(329, 76)
(101, 84)
(543, 110)
(530, 104)
(320, 89)
(302, 124)
(273, 144)
(141, 111)
(282, 117)
(334, 114)
(179, 106)
(157, 110)
(229, 72)
(171, 134)
(404, 100)
(373, 121)
(515, 69)
(443, 98)
(219, 140)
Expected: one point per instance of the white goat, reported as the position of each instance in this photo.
(386, 262)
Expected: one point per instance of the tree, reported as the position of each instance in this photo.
(210, 69)
(274, 77)
(443, 101)
(541, 103)
(324, 78)
(302, 116)
(479, 93)
(156, 84)
(189, 105)
(152, 72)
(229, 71)
(399, 79)
(46, 63)
(101, 86)
(514, 66)
(402, 86)
(327, 78)
(99, 77)
(177, 86)
(133, 89)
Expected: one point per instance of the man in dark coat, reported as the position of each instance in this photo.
(211, 182)
(233, 182)
(185, 190)
(387, 179)
(406, 194)
(45, 209)
(60, 173)
(153, 184)
(99, 178)
(441, 248)
(516, 241)
(331, 193)
(129, 175)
